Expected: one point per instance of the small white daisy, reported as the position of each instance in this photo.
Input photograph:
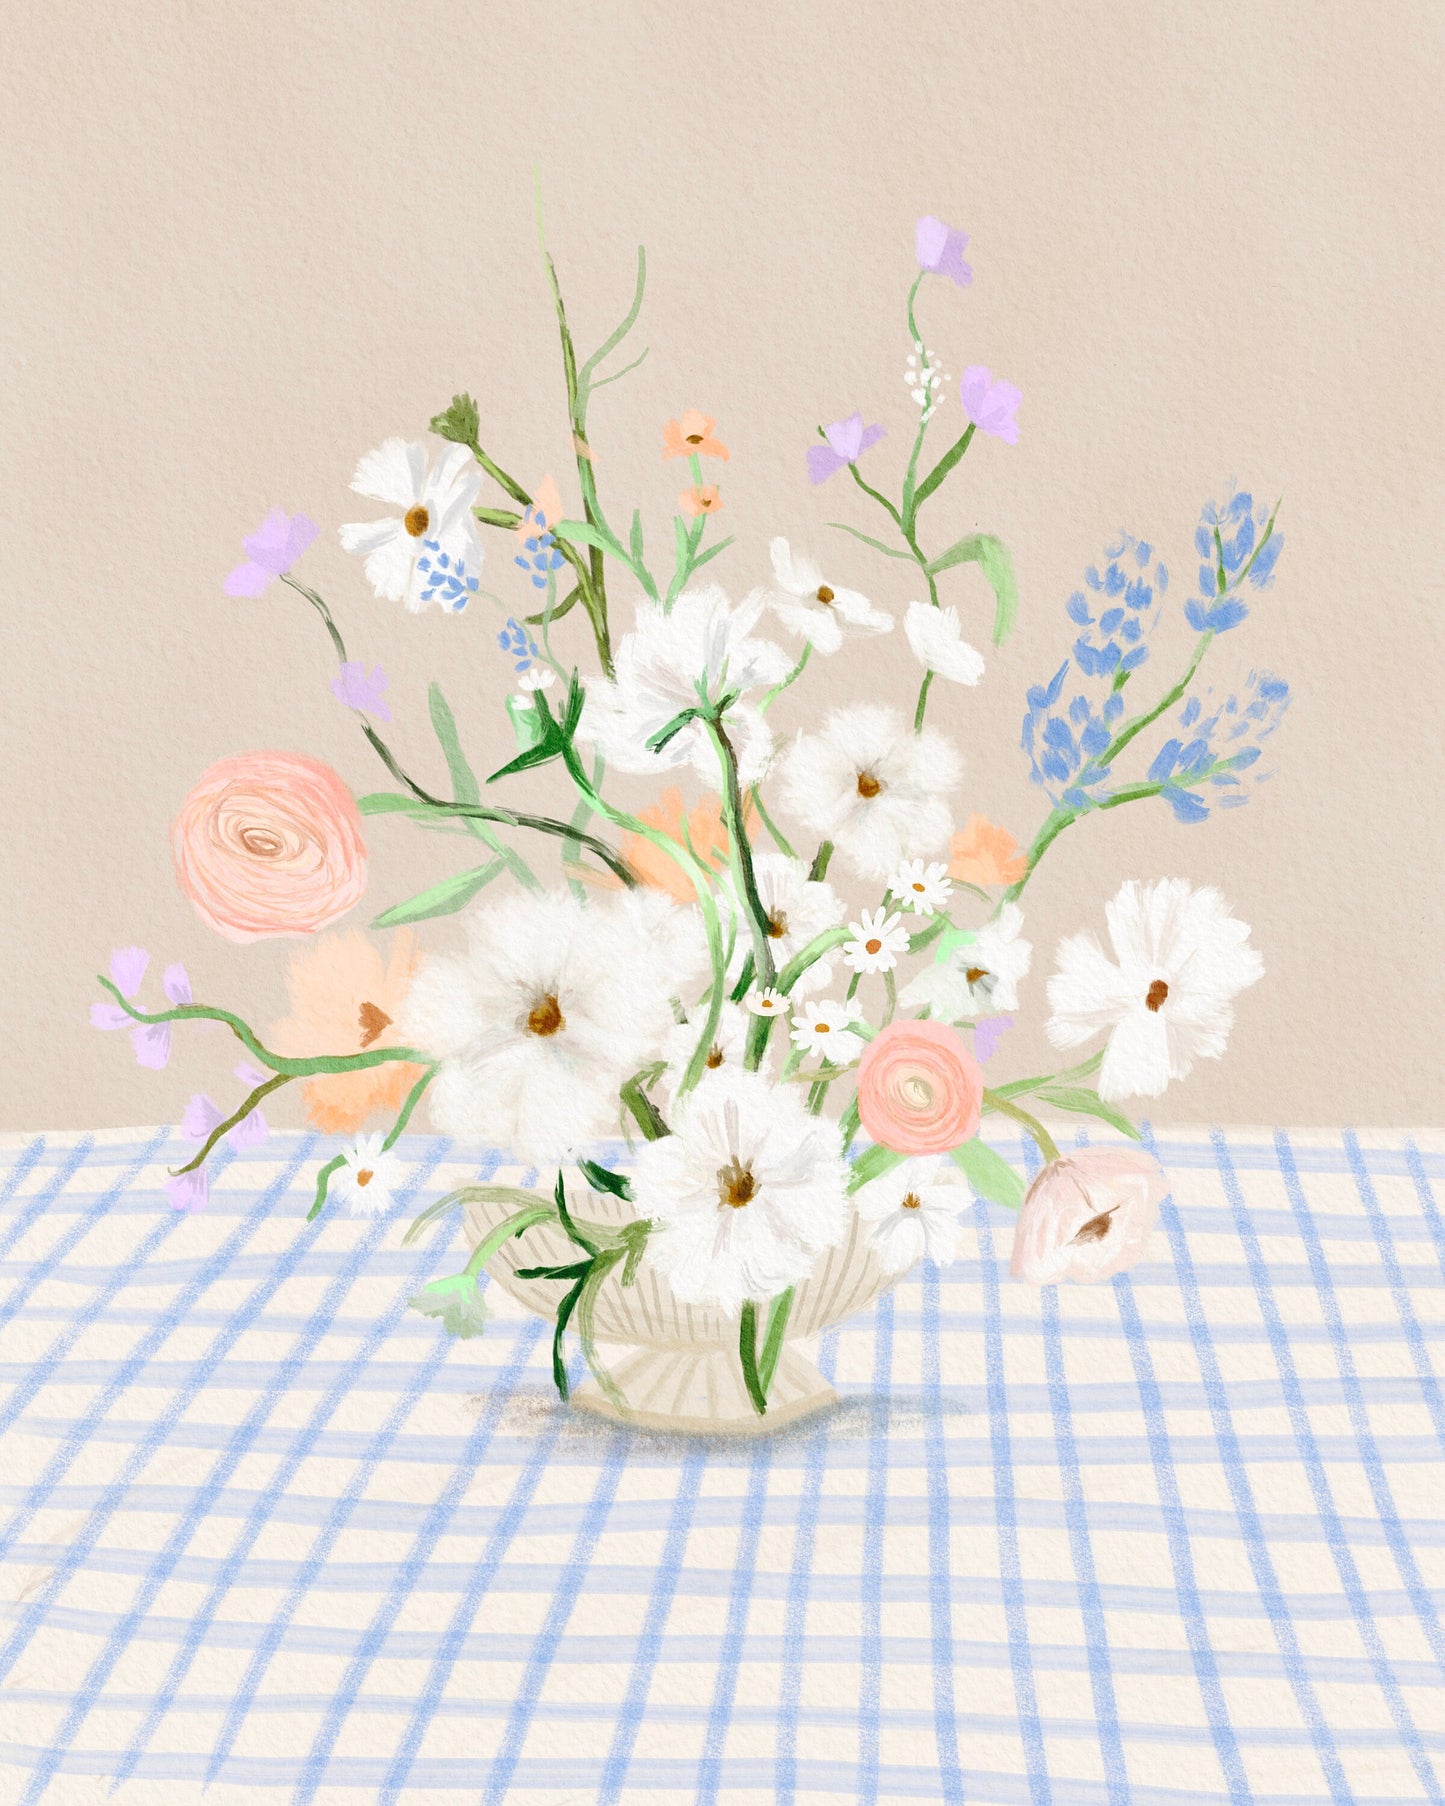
(823, 1029)
(436, 521)
(367, 1180)
(979, 978)
(913, 1211)
(877, 941)
(819, 611)
(938, 643)
(922, 887)
(767, 1003)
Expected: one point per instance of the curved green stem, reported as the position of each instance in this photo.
(779, 841)
(742, 853)
(237, 1116)
(413, 1098)
(1003, 1107)
(1071, 1074)
(792, 677)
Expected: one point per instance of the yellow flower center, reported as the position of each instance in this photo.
(365, 1176)
(919, 887)
(694, 438)
(777, 925)
(736, 1185)
(874, 946)
(868, 785)
(714, 1058)
(1097, 1227)
(912, 1201)
(417, 521)
(825, 595)
(546, 1017)
(823, 1028)
(974, 973)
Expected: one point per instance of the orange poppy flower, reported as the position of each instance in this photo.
(344, 999)
(701, 827)
(691, 437)
(986, 854)
(704, 500)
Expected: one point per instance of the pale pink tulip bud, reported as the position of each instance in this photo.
(1088, 1216)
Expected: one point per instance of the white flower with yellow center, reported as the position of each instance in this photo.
(1166, 999)
(913, 1211)
(797, 909)
(436, 519)
(978, 976)
(553, 1007)
(824, 1028)
(938, 643)
(873, 787)
(767, 1002)
(877, 941)
(368, 1178)
(822, 613)
(922, 887)
(726, 1049)
(747, 1191)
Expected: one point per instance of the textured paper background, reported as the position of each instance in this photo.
(245, 244)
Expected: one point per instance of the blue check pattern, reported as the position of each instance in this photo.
(1178, 1538)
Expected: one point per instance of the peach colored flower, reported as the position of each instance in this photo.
(702, 500)
(1087, 1216)
(691, 437)
(345, 999)
(269, 843)
(546, 503)
(701, 827)
(986, 854)
(919, 1088)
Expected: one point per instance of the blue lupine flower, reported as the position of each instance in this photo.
(542, 555)
(445, 578)
(1117, 609)
(519, 645)
(1065, 741)
(1239, 545)
(1217, 749)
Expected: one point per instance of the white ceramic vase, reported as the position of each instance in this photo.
(674, 1365)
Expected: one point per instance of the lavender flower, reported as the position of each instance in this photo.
(988, 1031)
(1126, 592)
(270, 552)
(990, 403)
(940, 250)
(847, 440)
(190, 1192)
(151, 1040)
(1217, 749)
(362, 690)
(1066, 741)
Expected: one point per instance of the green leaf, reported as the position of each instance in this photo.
(657, 741)
(868, 540)
(872, 1163)
(456, 1303)
(460, 422)
(391, 802)
(581, 534)
(989, 1174)
(992, 557)
(568, 602)
(442, 899)
(323, 1180)
(525, 725)
(637, 536)
(712, 552)
(464, 783)
(1084, 1102)
(600, 1179)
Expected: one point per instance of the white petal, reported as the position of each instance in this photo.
(815, 624)
(1137, 1060)
(393, 473)
(389, 567)
(795, 572)
(938, 643)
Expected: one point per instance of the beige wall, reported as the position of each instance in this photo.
(244, 243)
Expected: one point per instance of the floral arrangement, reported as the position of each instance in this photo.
(783, 979)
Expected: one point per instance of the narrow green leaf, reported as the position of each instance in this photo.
(1084, 1102)
(636, 536)
(456, 1303)
(712, 552)
(391, 802)
(872, 1163)
(442, 899)
(323, 1180)
(565, 606)
(525, 726)
(868, 540)
(464, 783)
(989, 1174)
(581, 534)
(600, 1179)
(533, 1207)
(992, 557)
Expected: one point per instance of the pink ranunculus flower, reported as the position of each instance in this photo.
(269, 843)
(1088, 1216)
(919, 1088)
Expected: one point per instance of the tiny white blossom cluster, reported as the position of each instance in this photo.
(924, 376)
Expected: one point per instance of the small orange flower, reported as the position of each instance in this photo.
(701, 827)
(703, 500)
(691, 437)
(986, 854)
(546, 502)
(344, 999)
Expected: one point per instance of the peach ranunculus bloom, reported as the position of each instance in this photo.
(920, 1090)
(986, 854)
(345, 999)
(702, 500)
(691, 437)
(269, 843)
(701, 827)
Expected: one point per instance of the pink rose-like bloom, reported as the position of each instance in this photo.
(269, 843)
(1088, 1216)
(919, 1088)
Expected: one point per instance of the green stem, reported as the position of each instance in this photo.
(818, 870)
(1132, 728)
(413, 1098)
(778, 840)
(1020, 1087)
(748, 1355)
(923, 690)
(1003, 1107)
(742, 853)
(644, 1111)
(778, 1313)
(237, 1116)
(792, 677)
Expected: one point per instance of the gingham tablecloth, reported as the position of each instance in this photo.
(268, 1534)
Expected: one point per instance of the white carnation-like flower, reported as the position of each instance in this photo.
(873, 787)
(1166, 998)
(938, 643)
(798, 909)
(690, 657)
(414, 557)
(980, 978)
(748, 1190)
(553, 1007)
(727, 1048)
(912, 1211)
(821, 612)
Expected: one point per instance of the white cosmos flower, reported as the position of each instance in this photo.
(368, 1177)
(681, 660)
(798, 909)
(554, 1005)
(818, 610)
(921, 887)
(823, 1029)
(913, 1211)
(1166, 998)
(729, 1043)
(767, 1003)
(877, 941)
(748, 1190)
(873, 787)
(980, 978)
(938, 643)
(436, 519)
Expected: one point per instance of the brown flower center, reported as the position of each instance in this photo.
(694, 438)
(736, 1185)
(1097, 1227)
(373, 1021)
(974, 973)
(417, 521)
(777, 925)
(920, 888)
(546, 1017)
(365, 1176)
(1156, 994)
(873, 946)
(260, 843)
(825, 595)
(714, 1057)
(912, 1201)
(868, 785)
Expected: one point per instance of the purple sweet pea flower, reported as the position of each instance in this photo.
(199, 1117)
(128, 968)
(252, 1130)
(987, 1033)
(363, 690)
(190, 1192)
(151, 1040)
(940, 250)
(990, 403)
(270, 551)
(847, 441)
